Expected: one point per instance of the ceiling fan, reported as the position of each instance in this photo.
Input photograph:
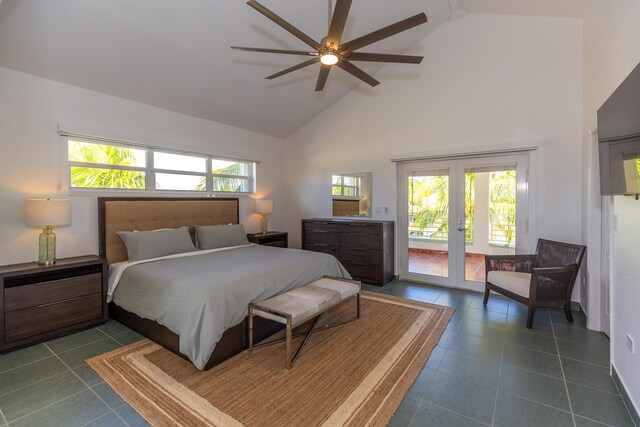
(332, 51)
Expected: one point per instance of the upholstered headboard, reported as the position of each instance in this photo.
(142, 214)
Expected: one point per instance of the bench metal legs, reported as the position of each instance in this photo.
(289, 335)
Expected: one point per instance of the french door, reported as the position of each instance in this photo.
(455, 212)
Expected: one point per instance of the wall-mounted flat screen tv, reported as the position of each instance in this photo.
(619, 138)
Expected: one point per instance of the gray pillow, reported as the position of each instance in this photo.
(152, 244)
(220, 236)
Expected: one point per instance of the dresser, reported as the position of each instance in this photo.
(364, 248)
(40, 303)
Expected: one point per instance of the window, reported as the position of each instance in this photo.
(97, 165)
(345, 186)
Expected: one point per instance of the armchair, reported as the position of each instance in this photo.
(545, 279)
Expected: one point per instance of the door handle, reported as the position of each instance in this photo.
(461, 228)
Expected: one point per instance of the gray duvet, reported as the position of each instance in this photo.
(199, 297)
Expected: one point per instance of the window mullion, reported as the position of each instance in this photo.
(151, 175)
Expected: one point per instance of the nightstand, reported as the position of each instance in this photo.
(40, 303)
(271, 238)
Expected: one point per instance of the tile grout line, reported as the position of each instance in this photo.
(34, 383)
(90, 389)
(633, 421)
(47, 406)
(495, 404)
(26, 364)
(457, 413)
(3, 418)
(564, 379)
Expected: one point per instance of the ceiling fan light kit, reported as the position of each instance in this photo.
(331, 51)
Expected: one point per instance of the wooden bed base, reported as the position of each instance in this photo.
(233, 341)
(148, 213)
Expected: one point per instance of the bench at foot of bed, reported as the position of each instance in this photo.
(301, 305)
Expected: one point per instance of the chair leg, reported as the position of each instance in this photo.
(487, 291)
(532, 310)
(567, 312)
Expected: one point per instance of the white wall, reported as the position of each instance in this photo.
(486, 81)
(31, 109)
(611, 51)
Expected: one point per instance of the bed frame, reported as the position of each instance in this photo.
(146, 213)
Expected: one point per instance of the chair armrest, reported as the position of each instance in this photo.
(550, 271)
(519, 263)
(552, 283)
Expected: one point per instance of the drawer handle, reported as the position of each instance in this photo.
(359, 234)
(320, 244)
(58, 302)
(322, 223)
(359, 249)
(359, 225)
(358, 263)
(320, 231)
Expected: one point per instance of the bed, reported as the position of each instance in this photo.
(195, 305)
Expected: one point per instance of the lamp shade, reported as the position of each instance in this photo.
(264, 206)
(47, 212)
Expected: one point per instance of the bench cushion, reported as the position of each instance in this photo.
(308, 300)
(516, 282)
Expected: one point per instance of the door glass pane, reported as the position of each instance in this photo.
(490, 218)
(428, 224)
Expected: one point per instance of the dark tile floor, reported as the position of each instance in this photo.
(487, 370)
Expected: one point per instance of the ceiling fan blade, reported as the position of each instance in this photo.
(383, 57)
(285, 52)
(338, 21)
(295, 67)
(357, 72)
(284, 24)
(322, 77)
(385, 32)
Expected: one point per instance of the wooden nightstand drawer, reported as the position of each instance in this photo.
(44, 318)
(20, 297)
(39, 303)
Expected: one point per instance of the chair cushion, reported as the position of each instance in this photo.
(513, 281)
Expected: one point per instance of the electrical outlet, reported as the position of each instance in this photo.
(386, 209)
(630, 344)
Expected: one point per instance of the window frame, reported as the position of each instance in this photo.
(342, 185)
(150, 171)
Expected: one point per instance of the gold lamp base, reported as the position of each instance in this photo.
(264, 224)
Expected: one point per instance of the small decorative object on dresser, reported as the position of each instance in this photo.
(272, 238)
(365, 248)
(40, 303)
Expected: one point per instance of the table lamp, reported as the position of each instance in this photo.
(264, 207)
(47, 213)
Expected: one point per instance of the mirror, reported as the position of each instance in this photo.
(351, 194)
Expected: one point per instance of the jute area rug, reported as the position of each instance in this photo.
(352, 375)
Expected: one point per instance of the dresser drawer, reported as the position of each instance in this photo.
(20, 297)
(367, 256)
(321, 225)
(322, 236)
(324, 248)
(363, 271)
(44, 318)
(360, 240)
(361, 227)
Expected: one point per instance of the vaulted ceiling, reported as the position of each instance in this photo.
(175, 54)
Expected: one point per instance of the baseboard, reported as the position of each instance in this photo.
(581, 312)
(625, 397)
